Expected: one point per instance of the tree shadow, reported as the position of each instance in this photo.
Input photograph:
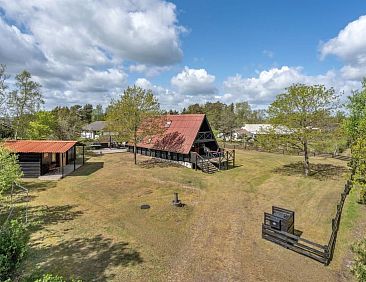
(317, 171)
(156, 162)
(85, 258)
(39, 217)
(172, 142)
(87, 169)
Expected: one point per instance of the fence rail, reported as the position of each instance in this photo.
(321, 253)
(250, 146)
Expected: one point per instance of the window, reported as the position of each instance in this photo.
(168, 123)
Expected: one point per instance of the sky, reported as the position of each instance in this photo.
(187, 51)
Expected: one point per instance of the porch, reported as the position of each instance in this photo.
(59, 172)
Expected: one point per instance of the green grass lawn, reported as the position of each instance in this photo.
(90, 226)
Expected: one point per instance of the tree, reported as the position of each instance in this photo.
(43, 126)
(98, 113)
(134, 115)
(303, 111)
(9, 169)
(355, 126)
(68, 121)
(243, 112)
(87, 113)
(3, 89)
(227, 122)
(24, 101)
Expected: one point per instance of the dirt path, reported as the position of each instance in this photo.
(222, 233)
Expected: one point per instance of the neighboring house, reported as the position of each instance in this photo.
(185, 138)
(94, 130)
(97, 131)
(236, 135)
(254, 129)
(39, 157)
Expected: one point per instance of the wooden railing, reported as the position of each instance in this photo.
(204, 135)
(321, 253)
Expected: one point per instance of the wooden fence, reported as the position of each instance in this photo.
(251, 146)
(318, 252)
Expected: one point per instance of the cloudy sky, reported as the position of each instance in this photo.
(189, 51)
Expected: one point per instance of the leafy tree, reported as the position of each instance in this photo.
(303, 111)
(87, 113)
(134, 115)
(3, 89)
(43, 126)
(358, 267)
(13, 247)
(68, 121)
(214, 112)
(227, 122)
(24, 101)
(243, 113)
(98, 113)
(9, 169)
(355, 126)
(194, 109)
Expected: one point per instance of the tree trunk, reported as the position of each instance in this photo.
(134, 145)
(306, 158)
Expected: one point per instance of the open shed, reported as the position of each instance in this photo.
(39, 157)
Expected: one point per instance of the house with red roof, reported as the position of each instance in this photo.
(186, 139)
(41, 157)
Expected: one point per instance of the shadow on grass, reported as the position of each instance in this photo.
(87, 169)
(157, 163)
(317, 171)
(39, 217)
(85, 258)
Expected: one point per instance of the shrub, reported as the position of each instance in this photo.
(13, 245)
(358, 267)
(9, 169)
(363, 195)
(54, 278)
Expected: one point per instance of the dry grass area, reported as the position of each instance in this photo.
(90, 225)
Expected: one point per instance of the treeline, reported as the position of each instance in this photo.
(21, 115)
(225, 117)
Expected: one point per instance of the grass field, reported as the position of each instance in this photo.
(90, 225)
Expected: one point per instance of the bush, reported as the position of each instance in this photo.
(13, 245)
(9, 169)
(363, 195)
(358, 267)
(53, 278)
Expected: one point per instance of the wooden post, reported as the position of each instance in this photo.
(233, 158)
(196, 161)
(62, 165)
(227, 159)
(74, 158)
(83, 155)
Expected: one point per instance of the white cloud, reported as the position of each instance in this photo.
(262, 90)
(75, 48)
(149, 71)
(194, 82)
(168, 99)
(350, 46)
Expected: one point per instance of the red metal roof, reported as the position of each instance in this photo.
(39, 146)
(177, 137)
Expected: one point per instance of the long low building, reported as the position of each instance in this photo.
(39, 157)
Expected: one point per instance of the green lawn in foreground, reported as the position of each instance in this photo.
(89, 225)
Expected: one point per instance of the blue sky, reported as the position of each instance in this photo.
(185, 51)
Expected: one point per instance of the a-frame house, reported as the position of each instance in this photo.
(187, 139)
